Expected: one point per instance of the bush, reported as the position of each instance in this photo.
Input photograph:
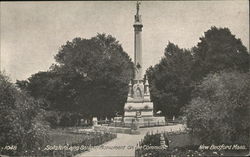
(68, 119)
(21, 122)
(220, 109)
(153, 140)
(62, 119)
(52, 118)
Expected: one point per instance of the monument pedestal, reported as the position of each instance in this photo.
(139, 108)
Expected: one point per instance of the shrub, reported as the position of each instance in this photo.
(52, 118)
(68, 119)
(153, 140)
(220, 109)
(21, 122)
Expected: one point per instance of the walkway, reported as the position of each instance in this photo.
(124, 144)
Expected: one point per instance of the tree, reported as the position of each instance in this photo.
(21, 123)
(50, 89)
(220, 109)
(219, 50)
(91, 77)
(173, 79)
(170, 80)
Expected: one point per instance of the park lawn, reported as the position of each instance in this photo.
(71, 136)
(63, 137)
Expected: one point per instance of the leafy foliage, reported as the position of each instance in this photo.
(173, 79)
(21, 123)
(153, 140)
(170, 80)
(219, 50)
(91, 78)
(220, 109)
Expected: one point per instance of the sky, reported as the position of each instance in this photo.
(32, 32)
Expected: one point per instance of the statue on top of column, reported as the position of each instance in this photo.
(138, 7)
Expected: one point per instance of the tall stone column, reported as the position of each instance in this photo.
(138, 45)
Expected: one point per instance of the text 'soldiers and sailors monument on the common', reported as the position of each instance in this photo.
(139, 108)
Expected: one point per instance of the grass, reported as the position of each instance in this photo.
(62, 138)
(71, 136)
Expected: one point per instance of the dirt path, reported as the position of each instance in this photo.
(124, 144)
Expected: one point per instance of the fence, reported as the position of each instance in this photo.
(133, 124)
(147, 123)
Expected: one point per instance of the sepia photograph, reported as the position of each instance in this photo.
(124, 78)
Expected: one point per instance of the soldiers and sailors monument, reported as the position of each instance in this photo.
(139, 108)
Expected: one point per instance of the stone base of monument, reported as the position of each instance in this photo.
(141, 113)
(122, 130)
(144, 121)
